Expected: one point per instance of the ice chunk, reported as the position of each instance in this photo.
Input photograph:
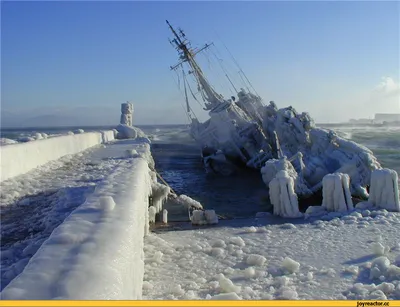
(227, 285)
(384, 191)
(107, 203)
(379, 267)
(78, 131)
(249, 272)
(379, 249)
(237, 241)
(336, 192)
(282, 196)
(290, 265)
(255, 259)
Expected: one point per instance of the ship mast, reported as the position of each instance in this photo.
(187, 55)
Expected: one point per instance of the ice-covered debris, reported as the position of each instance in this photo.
(152, 214)
(78, 131)
(107, 203)
(336, 192)
(5, 141)
(165, 216)
(70, 133)
(227, 285)
(256, 260)
(225, 297)
(273, 167)
(384, 191)
(188, 202)
(283, 197)
(200, 217)
(159, 195)
(290, 266)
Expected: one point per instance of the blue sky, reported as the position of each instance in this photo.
(336, 60)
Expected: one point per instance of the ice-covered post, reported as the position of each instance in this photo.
(384, 192)
(283, 197)
(126, 114)
(336, 192)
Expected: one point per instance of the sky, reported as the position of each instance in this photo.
(80, 60)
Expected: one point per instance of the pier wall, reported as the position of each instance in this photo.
(17, 159)
(97, 252)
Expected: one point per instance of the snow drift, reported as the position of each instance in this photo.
(17, 159)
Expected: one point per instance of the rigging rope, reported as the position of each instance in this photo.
(237, 64)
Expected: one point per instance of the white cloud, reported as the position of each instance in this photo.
(388, 87)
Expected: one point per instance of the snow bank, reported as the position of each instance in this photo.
(18, 159)
(336, 192)
(97, 252)
(283, 197)
(384, 190)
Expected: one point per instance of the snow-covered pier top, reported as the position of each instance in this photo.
(17, 159)
(97, 251)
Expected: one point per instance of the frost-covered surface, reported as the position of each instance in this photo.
(385, 190)
(20, 158)
(96, 253)
(269, 258)
(336, 192)
(128, 132)
(283, 197)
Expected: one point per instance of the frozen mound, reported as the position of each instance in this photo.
(315, 152)
(384, 191)
(336, 193)
(200, 217)
(128, 132)
(5, 141)
(283, 196)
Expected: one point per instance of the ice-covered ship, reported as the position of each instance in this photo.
(243, 131)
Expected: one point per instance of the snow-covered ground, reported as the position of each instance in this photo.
(36, 203)
(341, 256)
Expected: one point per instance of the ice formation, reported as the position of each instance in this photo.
(283, 196)
(384, 192)
(204, 217)
(336, 193)
(165, 216)
(126, 114)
